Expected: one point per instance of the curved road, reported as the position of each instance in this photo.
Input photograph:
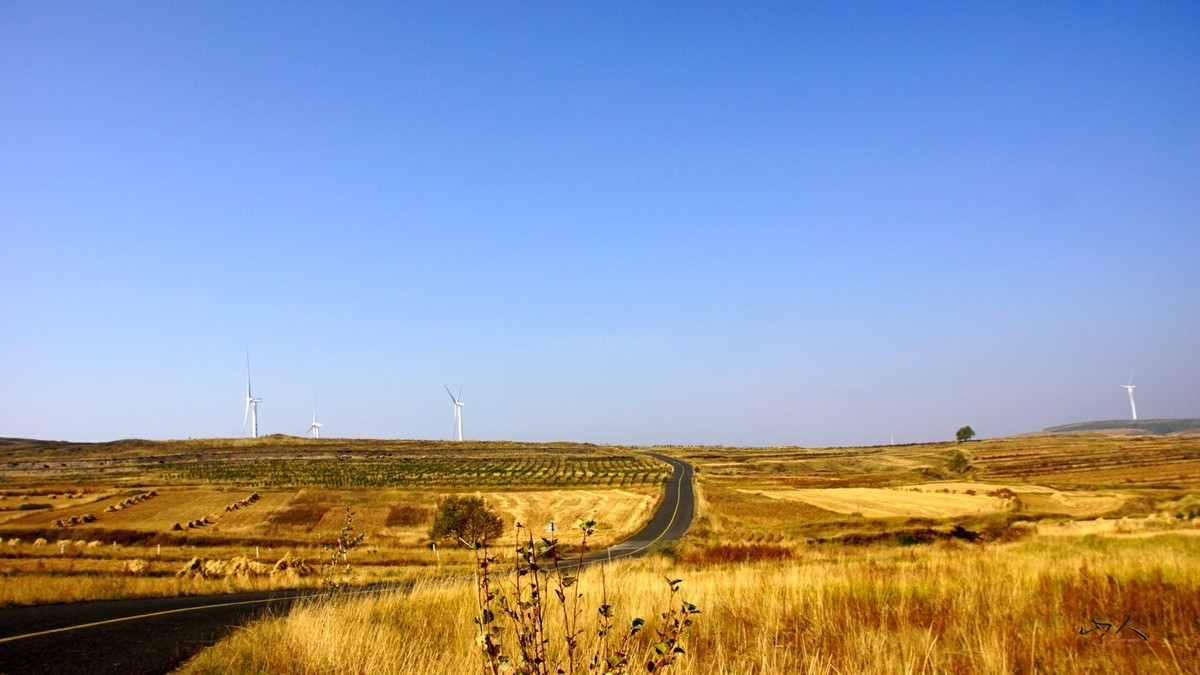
(156, 635)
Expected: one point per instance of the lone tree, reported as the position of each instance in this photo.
(964, 434)
(465, 518)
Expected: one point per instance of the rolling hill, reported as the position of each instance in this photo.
(1132, 427)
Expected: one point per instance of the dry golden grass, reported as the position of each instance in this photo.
(1092, 460)
(116, 584)
(170, 506)
(789, 496)
(947, 500)
(813, 605)
(282, 523)
(1062, 461)
(949, 608)
(884, 503)
(619, 513)
(392, 486)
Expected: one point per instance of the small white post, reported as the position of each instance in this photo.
(256, 553)
(158, 553)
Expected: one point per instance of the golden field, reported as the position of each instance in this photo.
(938, 558)
(75, 525)
(947, 608)
(997, 556)
(137, 548)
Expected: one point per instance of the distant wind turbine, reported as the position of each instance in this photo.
(251, 403)
(1129, 387)
(458, 406)
(316, 426)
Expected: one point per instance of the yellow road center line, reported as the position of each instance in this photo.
(675, 512)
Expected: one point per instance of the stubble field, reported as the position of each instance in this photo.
(101, 521)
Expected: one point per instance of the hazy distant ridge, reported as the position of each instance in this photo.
(1158, 427)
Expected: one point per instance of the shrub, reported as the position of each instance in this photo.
(739, 553)
(959, 463)
(33, 506)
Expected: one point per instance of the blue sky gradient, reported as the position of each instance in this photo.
(792, 223)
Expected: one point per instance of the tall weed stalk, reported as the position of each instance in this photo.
(542, 577)
(334, 577)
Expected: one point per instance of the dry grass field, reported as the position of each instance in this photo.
(882, 503)
(281, 524)
(1093, 461)
(1000, 556)
(984, 557)
(77, 525)
(948, 500)
(949, 608)
(994, 489)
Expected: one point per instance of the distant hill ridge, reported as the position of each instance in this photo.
(1132, 427)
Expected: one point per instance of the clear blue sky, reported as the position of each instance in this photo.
(794, 223)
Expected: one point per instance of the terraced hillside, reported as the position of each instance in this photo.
(1077, 461)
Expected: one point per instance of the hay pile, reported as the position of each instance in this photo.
(242, 567)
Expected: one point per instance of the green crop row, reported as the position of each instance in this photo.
(468, 472)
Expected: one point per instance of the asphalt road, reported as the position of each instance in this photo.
(670, 522)
(156, 635)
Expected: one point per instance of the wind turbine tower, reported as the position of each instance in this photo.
(1129, 387)
(316, 426)
(251, 403)
(458, 406)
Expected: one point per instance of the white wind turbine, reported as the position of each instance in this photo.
(251, 403)
(316, 426)
(1129, 387)
(458, 406)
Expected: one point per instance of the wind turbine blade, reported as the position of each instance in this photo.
(459, 398)
(451, 394)
(245, 417)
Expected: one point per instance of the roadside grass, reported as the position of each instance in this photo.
(948, 608)
(20, 589)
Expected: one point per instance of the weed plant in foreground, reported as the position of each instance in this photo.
(530, 645)
(944, 608)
